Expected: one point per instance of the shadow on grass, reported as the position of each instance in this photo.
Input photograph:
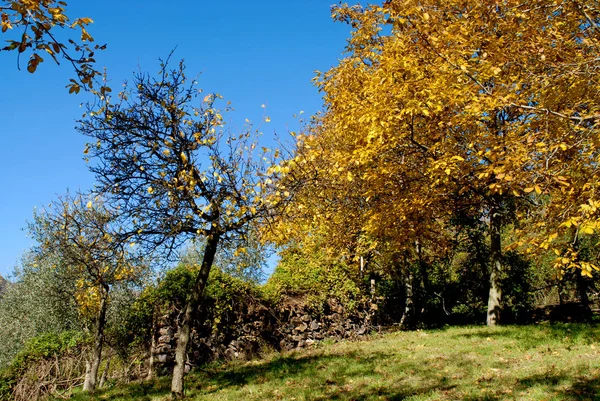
(530, 336)
(324, 377)
(143, 391)
(350, 376)
(582, 388)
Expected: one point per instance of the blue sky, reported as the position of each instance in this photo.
(251, 52)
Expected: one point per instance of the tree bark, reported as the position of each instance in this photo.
(91, 376)
(408, 315)
(191, 307)
(151, 362)
(104, 376)
(495, 295)
(582, 287)
(425, 280)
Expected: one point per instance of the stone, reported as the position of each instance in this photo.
(165, 331)
(165, 348)
(314, 325)
(164, 339)
(302, 328)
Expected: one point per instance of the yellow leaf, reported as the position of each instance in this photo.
(267, 120)
(587, 230)
(89, 205)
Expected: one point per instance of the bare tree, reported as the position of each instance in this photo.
(176, 173)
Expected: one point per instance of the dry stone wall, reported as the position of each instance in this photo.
(253, 328)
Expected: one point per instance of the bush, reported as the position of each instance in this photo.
(315, 276)
(37, 349)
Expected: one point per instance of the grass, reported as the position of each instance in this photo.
(544, 362)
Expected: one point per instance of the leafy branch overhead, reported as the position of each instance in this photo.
(32, 28)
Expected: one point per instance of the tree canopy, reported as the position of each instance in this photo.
(446, 107)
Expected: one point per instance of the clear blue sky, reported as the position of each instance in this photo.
(251, 52)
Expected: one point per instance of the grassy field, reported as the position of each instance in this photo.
(544, 362)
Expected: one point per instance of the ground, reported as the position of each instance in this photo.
(542, 362)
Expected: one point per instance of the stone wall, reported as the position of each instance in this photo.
(251, 328)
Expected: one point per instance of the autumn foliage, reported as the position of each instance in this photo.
(472, 107)
(32, 28)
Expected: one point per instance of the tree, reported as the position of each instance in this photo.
(38, 21)
(175, 173)
(441, 107)
(83, 236)
(38, 301)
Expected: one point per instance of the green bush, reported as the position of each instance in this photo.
(44, 346)
(314, 275)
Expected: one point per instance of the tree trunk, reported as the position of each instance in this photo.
(582, 287)
(427, 294)
(408, 315)
(495, 295)
(193, 302)
(104, 376)
(151, 362)
(91, 376)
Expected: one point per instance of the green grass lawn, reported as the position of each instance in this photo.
(544, 362)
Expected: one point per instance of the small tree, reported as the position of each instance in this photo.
(83, 235)
(39, 300)
(176, 174)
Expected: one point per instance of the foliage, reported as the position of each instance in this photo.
(88, 240)
(244, 256)
(83, 235)
(311, 274)
(39, 301)
(38, 23)
(438, 109)
(42, 347)
(224, 295)
(127, 324)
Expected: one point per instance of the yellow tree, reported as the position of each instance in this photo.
(82, 235)
(31, 26)
(162, 151)
(483, 102)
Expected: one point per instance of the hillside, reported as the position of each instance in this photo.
(544, 362)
